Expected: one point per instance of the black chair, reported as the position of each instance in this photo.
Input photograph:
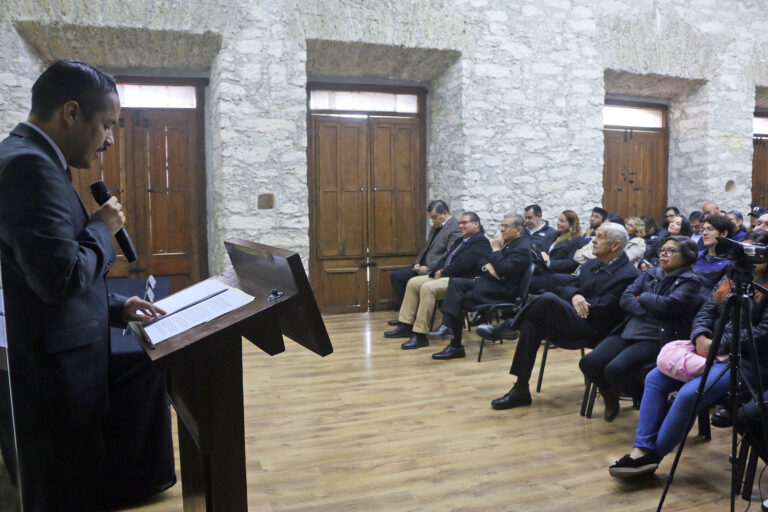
(496, 312)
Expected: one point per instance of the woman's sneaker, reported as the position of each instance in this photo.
(627, 467)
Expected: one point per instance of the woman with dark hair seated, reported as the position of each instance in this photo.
(679, 225)
(738, 220)
(709, 267)
(660, 306)
(557, 258)
(659, 428)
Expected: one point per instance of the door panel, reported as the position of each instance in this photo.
(759, 172)
(635, 172)
(395, 186)
(344, 286)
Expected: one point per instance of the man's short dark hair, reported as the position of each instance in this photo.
(437, 206)
(673, 208)
(722, 224)
(696, 215)
(67, 80)
(602, 211)
(473, 217)
(616, 218)
(536, 209)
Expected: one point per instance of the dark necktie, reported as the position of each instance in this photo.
(453, 253)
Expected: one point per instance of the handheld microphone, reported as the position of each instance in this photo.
(102, 194)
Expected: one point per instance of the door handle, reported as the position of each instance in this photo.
(618, 189)
(368, 264)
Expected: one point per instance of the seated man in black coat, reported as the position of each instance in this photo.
(463, 260)
(576, 309)
(503, 270)
(537, 230)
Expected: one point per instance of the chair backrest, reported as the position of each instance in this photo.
(525, 284)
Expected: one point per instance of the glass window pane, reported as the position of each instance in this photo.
(157, 96)
(614, 115)
(760, 125)
(363, 101)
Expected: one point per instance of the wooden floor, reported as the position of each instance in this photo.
(376, 428)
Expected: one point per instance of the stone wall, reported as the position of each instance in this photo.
(516, 90)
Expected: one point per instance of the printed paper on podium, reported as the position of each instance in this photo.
(194, 306)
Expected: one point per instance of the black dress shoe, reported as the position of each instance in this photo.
(477, 320)
(516, 397)
(450, 352)
(495, 331)
(401, 331)
(722, 418)
(443, 332)
(393, 323)
(416, 341)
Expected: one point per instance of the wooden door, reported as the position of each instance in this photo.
(153, 168)
(395, 203)
(339, 238)
(759, 172)
(367, 219)
(635, 172)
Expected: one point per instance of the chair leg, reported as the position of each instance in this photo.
(705, 429)
(543, 363)
(749, 475)
(466, 321)
(592, 397)
(480, 354)
(585, 399)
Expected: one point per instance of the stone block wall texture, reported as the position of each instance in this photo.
(515, 90)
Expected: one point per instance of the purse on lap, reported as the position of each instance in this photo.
(679, 360)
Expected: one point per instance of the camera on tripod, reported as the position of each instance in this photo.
(741, 252)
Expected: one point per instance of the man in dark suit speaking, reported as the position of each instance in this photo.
(54, 260)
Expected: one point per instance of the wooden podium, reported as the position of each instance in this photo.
(205, 369)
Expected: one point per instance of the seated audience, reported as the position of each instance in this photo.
(660, 305)
(578, 309)
(762, 223)
(636, 231)
(421, 292)
(710, 208)
(502, 271)
(669, 214)
(557, 252)
(599, 215)
(696, 220)
(442, 235)
(537, 231)
(653, 237)
(679, 226)
(755, 214)
(634, 250)
(660, 429)
(738, 220)
(709, 267)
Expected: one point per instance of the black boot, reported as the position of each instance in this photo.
(518, 396)
(401, 331)
(416, 341)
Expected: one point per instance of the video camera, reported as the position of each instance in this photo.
(742, 252)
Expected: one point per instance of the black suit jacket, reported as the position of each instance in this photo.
(510, 263)
(467, 260)
(54, 261)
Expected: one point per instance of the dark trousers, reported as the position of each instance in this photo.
(458, 297)
(549, 317)
(399, 279)
(749, 425)
(616, 364)
(126, 457)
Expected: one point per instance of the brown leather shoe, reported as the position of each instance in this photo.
(611, 400)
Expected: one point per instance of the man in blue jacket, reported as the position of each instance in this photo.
(54, 260)
(421, 293)
(575, 313)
